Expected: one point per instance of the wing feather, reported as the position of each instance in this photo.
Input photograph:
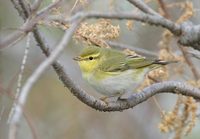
(121, 62)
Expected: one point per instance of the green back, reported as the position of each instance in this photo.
(118, 61)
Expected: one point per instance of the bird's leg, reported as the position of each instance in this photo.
(104, 99)
(121, 99)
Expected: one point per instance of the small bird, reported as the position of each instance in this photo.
(112, 72)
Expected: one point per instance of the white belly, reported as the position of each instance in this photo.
(117, 85)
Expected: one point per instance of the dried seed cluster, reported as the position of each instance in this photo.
(97, 32)
(181, 119)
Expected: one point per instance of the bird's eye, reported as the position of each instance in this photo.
(91, 58)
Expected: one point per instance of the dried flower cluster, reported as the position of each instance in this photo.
(181, 119)
(97, 32)
(92, 33)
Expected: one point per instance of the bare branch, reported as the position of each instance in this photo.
(47, 9)
(28, 25)
(20, 75)
(36, 5)
(190, 35)
(19, 6)
(143, 7)
(136, 49)
(145, 18)
(194, 53)
(163, 8)
(8, 40)
(195, 72)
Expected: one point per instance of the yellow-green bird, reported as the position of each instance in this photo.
(112, 72)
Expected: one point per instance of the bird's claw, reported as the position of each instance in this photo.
(104, 99)
(121, 99)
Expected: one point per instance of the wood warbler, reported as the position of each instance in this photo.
(112, 72)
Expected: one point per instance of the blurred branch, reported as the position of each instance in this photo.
(143, 7)
(190, 64)
(163, 8)
(194, 53)
(20, 74)
(35, 6)
(29, 24)
(138, 50)
(190, 35)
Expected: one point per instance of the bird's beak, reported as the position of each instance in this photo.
(77, 58)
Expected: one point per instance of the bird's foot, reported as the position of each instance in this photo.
(121, 99)
(104, 99)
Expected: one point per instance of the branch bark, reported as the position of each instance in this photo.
(143, 7)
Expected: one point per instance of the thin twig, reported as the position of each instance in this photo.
(20, 75)
(163, 8)
(76, 2)
(195, 72)
(35, 6)
(134, 48)
(143, 7)
(194, 53)
(2, 112)
(154, 97)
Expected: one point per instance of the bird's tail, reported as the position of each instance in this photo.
(162, 62)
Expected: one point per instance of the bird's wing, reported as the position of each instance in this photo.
(135, 62)
(122, 63)
(114, 64)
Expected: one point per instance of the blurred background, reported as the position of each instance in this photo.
(53, 112)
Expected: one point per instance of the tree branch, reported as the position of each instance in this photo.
(145, 18)
(192, 67)
(138, 50)
(30, 22)
(143, 7)
(190, 35)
